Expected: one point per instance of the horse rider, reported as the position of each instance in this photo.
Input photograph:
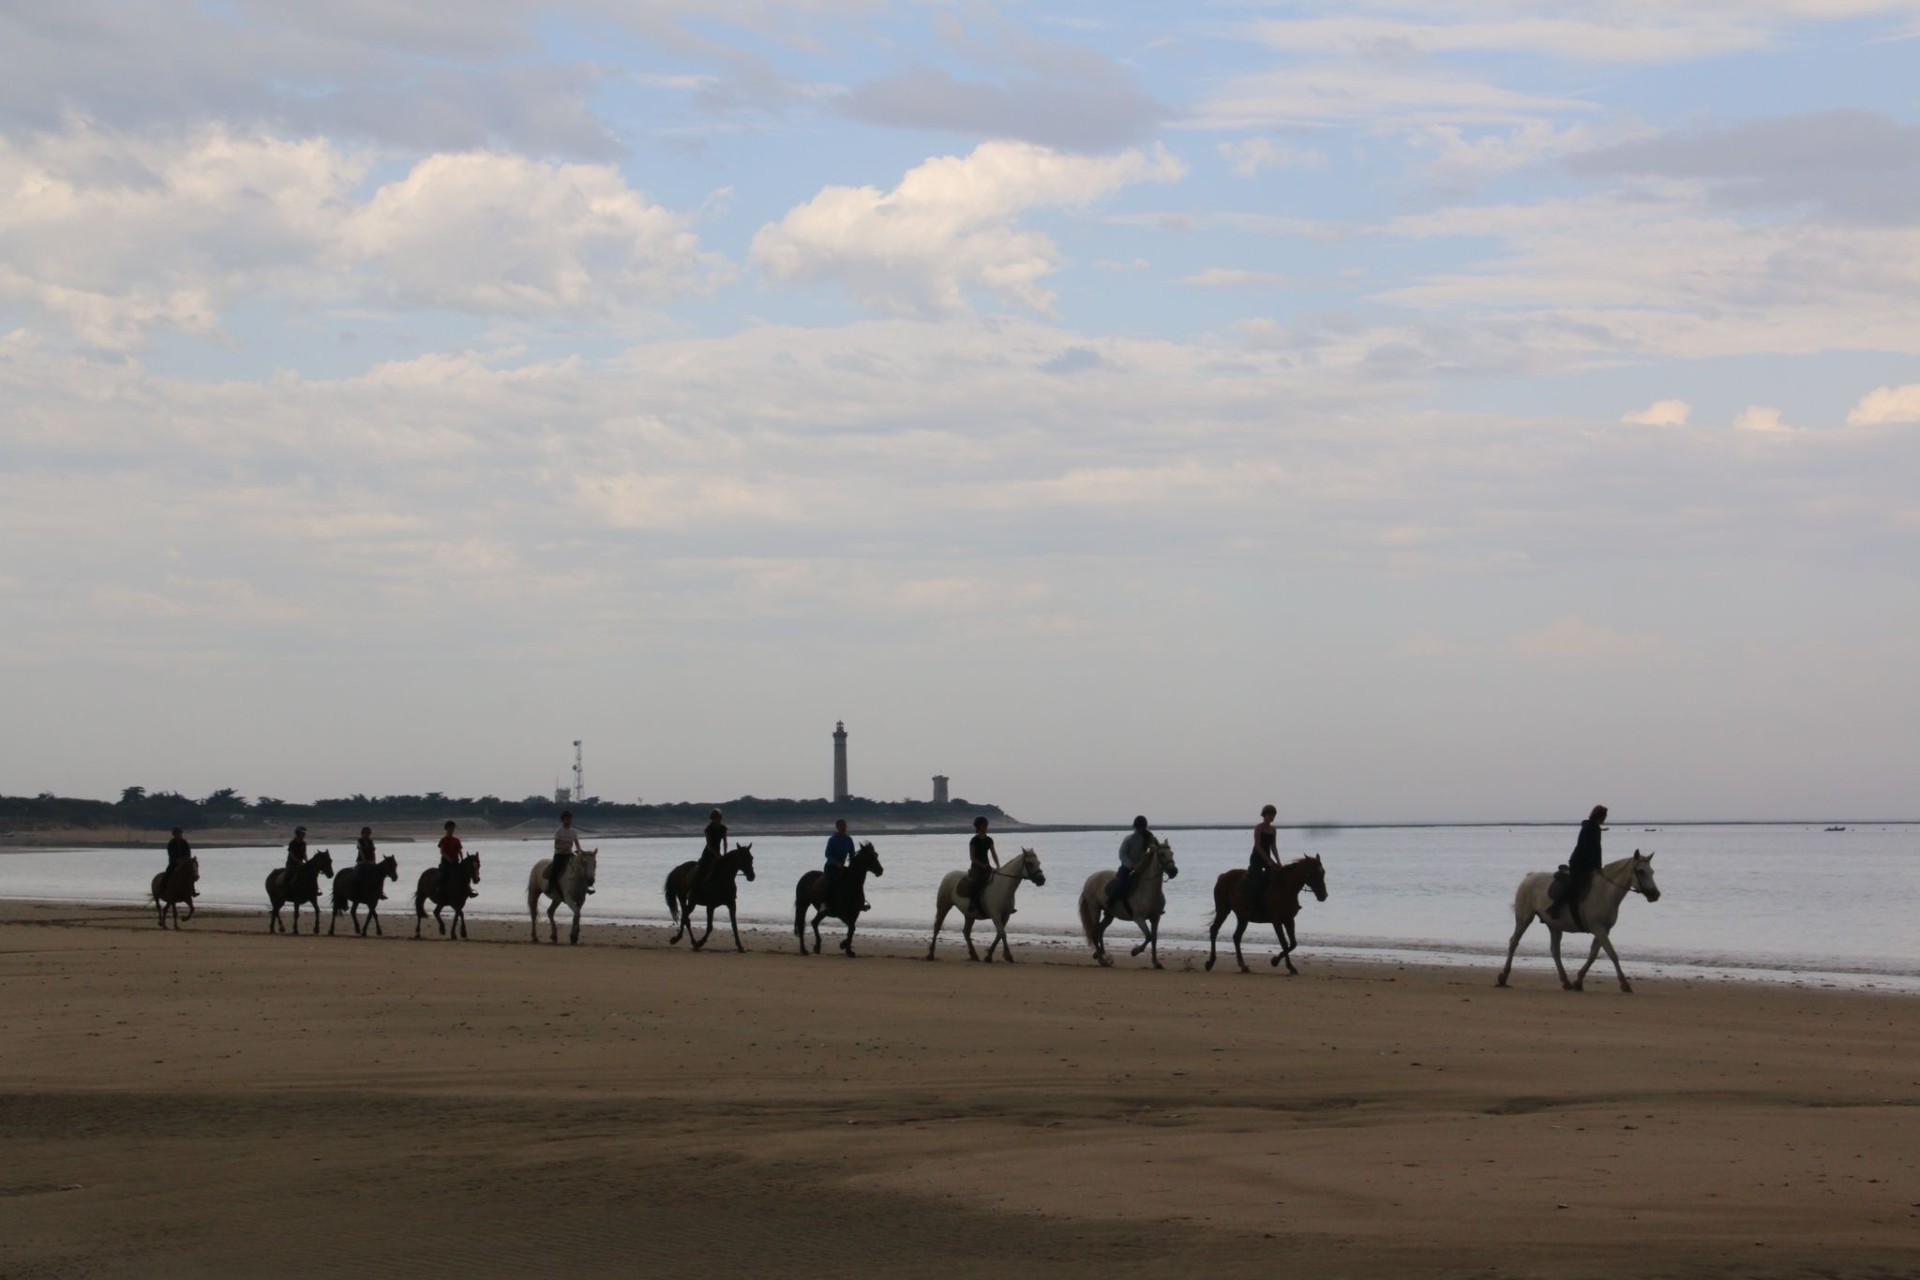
(296, 855)
(1133, 851)
(1582, 865)
(716, 846)
(451, 851)
(1264, 860)
(980, 850)
(839, 853)
(363, 862)
(566, 843)
(179, 851)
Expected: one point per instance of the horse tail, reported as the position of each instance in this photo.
(673, 903)
(1088, 918)
(800, 909)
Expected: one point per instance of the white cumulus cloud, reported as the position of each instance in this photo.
(1761, 418)
(1251, 155)
(1661, 413)
(952, 224)
(1885, 405)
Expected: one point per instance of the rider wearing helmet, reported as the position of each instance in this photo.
(1133, 851)
(982, 858)
(839, 853)
(364, 869)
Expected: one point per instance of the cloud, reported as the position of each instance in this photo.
(1573, 637)
(504, 235)
(1760, 418)
(1251, 156)
(1461, 160)
(1096, 108)
(114, 236)
(1575, 39)
(952, 224)
(1661, 413)
(1375, 95)
(1884, 406)
(1856, 165)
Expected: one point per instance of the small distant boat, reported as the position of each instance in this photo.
(1649, 828)
(1836, 828)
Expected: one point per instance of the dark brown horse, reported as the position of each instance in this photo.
(451, 891)
(352, 890)
(718, 891)
(305, 888)
(849, 898)
(175, 886)
(1277, 906)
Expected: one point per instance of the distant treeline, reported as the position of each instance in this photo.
(158, 810)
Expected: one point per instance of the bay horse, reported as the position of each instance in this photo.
(1599, 909)
(175, 886)
(995, 904)
(1144, 903)
(849, 898)
(352, 890)
(305, 888)
(459, 888)
(1277, 907)
(718, 891)
(578, 877)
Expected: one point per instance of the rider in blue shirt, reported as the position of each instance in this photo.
(839, 853)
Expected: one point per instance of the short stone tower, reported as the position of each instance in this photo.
(940, 788)
(840, 792)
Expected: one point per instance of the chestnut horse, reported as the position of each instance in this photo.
(718, 891)
(848, 901)
(459, 887)
(175, 886)
(1278, 906)
(305, 887)
(353, 888)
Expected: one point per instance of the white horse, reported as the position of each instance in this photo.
(1143, 904)
(572, 891)
(996, 904)
(1599, 908)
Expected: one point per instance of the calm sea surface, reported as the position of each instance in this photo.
(1777, 903)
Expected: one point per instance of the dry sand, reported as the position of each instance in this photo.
(222, 1102)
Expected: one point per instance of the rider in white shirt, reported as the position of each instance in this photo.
(566, 843)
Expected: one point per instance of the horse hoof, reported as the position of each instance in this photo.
(1626, 988)
(1209, 964)
(1500, 981)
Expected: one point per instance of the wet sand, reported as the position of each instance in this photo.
(224, 1102)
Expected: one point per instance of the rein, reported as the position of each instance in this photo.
(1631, 884)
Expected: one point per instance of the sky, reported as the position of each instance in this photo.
(1456, 410)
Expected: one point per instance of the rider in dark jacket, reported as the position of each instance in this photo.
(296, 855)
(839, 853)
(716, 848)
(365, 869)
(1263, 861)
(178, 851)
(1582, 865)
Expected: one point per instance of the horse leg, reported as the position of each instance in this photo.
(847, 946)
(1593, 953)
(939, 918)
(1286, 949)
(966, 931)
(1606, 940)
(1239, 931)
(1523, 921)
(553, 925)
(1146, 935)
(460, 920)
(818, 915)
(734, 921)
(1153, 942)
(1100, 940)
(707, 934)
(1566, 983)
(1213, 933)
(573, 935)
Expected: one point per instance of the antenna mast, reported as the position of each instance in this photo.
(579, 775)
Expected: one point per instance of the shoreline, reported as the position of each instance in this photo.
(173, 1101)
(1063, 947)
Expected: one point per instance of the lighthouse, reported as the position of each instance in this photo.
(840, 792)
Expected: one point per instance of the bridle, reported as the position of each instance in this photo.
(1632, 884)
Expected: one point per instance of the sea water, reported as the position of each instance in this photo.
(1772, 903)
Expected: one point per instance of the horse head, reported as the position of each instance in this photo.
(740, 858)
(323, 863)
(390, 867)
(1643, 881)
(589, 863)
(1030, 867)
(867, 858)
(1316, 876)
(471, 864)
(1164, 852)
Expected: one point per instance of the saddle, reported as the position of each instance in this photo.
(1562, 887)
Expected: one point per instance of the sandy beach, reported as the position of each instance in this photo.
(224, 1102)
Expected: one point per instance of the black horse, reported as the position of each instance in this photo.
(304, 886)
(847, 900)
(353, 890)
(718, 891)
(449, 890)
